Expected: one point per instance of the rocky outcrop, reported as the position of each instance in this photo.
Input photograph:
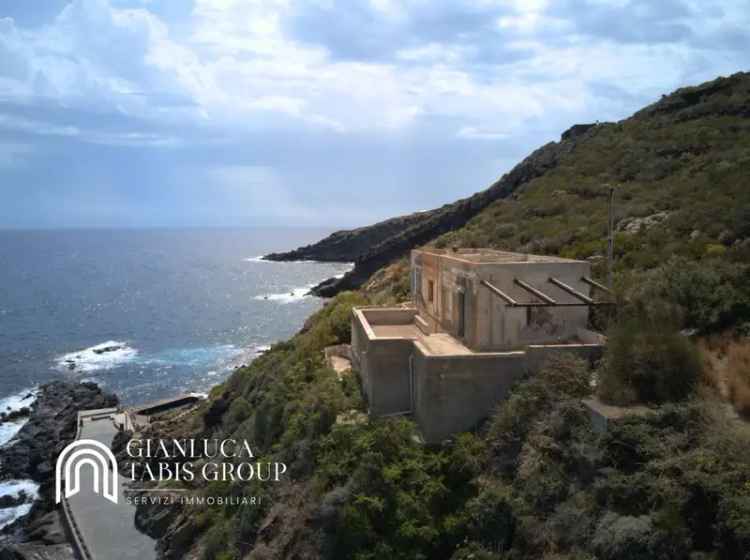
(32, 454)
(719, 97)
(37, 552)
(349, 245)
(635, 225)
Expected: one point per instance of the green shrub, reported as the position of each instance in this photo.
(710, 295)
(490, 518)
(238, 412)
(648, 360)
(563, 376)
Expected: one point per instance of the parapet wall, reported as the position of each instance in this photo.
(453, 393)
(388, 315)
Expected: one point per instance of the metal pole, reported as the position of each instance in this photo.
(611, 236)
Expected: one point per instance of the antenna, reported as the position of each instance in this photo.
(611, 236)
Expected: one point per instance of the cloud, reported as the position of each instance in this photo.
(315, 99)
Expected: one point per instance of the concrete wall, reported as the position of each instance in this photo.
(501, 327)
(388, 315)
(383, 363)
(452, 394)
(448, 277)
(388, 369)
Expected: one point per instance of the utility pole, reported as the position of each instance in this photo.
(611, 236)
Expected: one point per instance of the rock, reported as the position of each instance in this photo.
(726, 237)
(695, 234)
(48, 529)
(177, 540)
(155, 519)
(14, 414)
(576, 130)
(37, 552)
(635, 225)
(51, 425)
(106, 349)
(9, 501)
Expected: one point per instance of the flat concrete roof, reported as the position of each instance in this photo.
(491, 256)
(438, 344)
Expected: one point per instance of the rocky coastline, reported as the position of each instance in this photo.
(30, 456)
(373, 247)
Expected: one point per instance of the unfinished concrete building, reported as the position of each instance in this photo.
(478, 319)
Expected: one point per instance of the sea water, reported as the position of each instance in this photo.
(146, 313)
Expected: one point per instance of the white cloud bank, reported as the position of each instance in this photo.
(413, 74)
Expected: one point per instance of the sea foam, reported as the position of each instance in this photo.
(14, 488)
(8, 430)
(106, 355)
(292, 296)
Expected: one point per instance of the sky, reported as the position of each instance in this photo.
(167, 113)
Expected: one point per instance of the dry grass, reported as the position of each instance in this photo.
(738, 376)
(727, 369)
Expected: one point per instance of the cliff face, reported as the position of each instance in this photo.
(350, 245)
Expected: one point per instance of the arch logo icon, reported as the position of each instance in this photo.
(69, 470)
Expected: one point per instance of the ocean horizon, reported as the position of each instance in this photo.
(146, 313)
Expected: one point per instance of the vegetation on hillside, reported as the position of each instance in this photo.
(535, 481)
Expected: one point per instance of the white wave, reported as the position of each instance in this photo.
(292, 296)
(8, 430)
(348, 267)
(106, 355)
(14, 488)
(262, 259)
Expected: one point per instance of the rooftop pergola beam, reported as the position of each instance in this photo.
(595, 284)
(572, 291)
(501, 294)
(534, 291)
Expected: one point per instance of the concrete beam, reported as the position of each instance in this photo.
(498, 292)
(572, 291)
(534, 291)
(595, 284)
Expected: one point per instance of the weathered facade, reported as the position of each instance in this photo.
(477, 321)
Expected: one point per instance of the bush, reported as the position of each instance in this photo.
(490, 518)
(563, 376)
(239, 411)
(634, 538)
(648, 360)
(710, 295)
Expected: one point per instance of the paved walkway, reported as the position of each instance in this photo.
(108, 529)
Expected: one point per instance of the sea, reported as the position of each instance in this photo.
(147, 314)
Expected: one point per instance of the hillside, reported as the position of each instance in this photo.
(672, 155)
(533, 481)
